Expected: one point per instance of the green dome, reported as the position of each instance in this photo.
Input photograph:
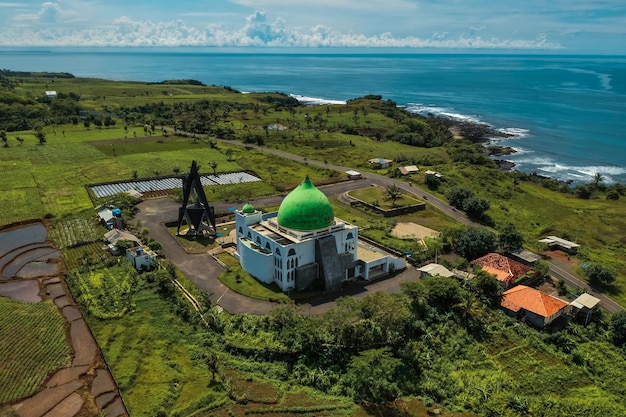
(247, 208)
(305, 208)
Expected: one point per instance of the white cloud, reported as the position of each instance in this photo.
(256, 31)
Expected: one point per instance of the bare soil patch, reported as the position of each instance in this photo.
(24, 291)
(413, 231)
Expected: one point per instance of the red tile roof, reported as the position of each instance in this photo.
(531, 300)
(505, 269)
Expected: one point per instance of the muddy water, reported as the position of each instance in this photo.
(24, 291)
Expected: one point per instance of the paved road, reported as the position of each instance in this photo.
(203, 270)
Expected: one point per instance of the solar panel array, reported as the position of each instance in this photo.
(170, 183)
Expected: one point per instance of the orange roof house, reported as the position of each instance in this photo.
(506, 270)
(532, 305)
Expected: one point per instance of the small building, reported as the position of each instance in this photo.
(524, 256)
(555, 242)
(141, 257)
(531, 305)
(432, 270)
(380, 162)
(354, 175)
(506, 270)
(436, 174)
(408, 170)
(51, 94)
(111, 217)
(115, 235)
(584, 305)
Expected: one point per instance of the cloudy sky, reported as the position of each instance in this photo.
(564, 26)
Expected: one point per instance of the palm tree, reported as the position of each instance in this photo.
(597, 179)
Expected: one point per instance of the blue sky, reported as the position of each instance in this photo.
(563, 26)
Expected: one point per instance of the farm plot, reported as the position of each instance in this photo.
(89, 254)
(32, 345)
(71, 232)
(20, 205)
(64, 153)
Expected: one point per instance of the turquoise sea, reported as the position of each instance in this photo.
(567, 113)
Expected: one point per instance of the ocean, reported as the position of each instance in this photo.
(566, 114)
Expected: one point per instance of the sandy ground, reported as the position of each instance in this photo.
(413, 231)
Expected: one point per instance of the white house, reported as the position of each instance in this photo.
(141, 257)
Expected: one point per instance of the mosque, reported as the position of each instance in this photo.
(304, 245)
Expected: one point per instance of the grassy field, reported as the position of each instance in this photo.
(240, 281)
(32, 344)
(164, 370)
(378, 196)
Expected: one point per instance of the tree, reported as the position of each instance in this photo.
(457, 196)
(229, 154)
(212, 361)
(213, 165)
(373, 376)
(475, 242)
(618, 328)
(432, 182)
(510, 239)
(597, 179)
(40, 135)
(487, 287)
(612, 195)
(4, 138)
(599, 274)
(475, 207)
(394, 193)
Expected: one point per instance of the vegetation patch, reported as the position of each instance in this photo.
(238, 280)
(32, 345)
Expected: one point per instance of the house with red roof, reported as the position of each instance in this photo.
(532, 305)
(506, 270)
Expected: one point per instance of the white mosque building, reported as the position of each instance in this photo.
(303, 244)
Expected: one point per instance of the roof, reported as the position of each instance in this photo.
(305, 208)
(115, 235)
(436, 269)
(105, 214)
(353, 173)
(530, 299)
(379, 161)
(410, 169)
(247, 208)
(503, 268)
(551, 240)
(585, 300)
(526, 255)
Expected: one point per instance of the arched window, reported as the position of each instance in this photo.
(249, 235)
(292, 252)
(350, 236)
(240, 230)
(296, 262)
(267, 246)
(277, 251)
(258, 240)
